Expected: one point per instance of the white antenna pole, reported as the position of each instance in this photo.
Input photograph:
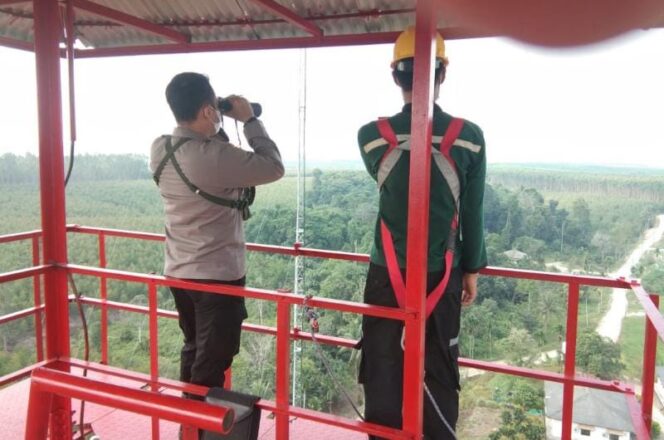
(299, 217)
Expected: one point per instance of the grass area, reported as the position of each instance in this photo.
(631, 344)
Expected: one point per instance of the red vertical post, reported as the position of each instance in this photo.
(570, 359)
(283, 369)
(103, 293)
(39, 404)
(418, 215)
(36, 292)
(228, 379)
(649, 359)
(47, 31)
(154, 348)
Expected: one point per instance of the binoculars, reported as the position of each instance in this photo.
(224, 105)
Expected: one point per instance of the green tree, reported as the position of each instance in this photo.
(518, 425)
(599, 356)
(519, 346)
(653, 279)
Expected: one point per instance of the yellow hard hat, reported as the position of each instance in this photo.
(404, 47)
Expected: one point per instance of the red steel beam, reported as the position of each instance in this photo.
(549, 376)
(248, 292)
(24, 273)
(20, 314)
(176, 409)
(103, 293)
(115, 233)
(649, 362)
(47, 31)
(418, 225)
(652, 311)
(131, 20)
(290, 16)
(20, 236)
(267, 405)
(282, 373)
(17, 375)
(570, 360)
(37, 300)
(296, 250)
(255, 328)
(641, 429)
(16, 44)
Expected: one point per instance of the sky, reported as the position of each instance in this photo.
(601, 104)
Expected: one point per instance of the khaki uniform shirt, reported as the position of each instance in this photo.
(205, 240)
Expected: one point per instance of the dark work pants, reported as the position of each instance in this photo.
(381, 367)
(211, 325)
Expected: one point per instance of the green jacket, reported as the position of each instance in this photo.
(469, 155)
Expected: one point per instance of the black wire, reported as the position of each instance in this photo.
(86, 340)
(71, 162)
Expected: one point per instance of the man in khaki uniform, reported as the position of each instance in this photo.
(204, 182)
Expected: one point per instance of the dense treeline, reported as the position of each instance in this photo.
(24, 169)
(512, 320)
(620, 183)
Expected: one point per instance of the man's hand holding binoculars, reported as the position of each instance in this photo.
(237, 107)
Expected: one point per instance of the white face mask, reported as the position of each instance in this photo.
(217, 122)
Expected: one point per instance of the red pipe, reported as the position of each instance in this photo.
(570, 360)
(291, 17)
(131, 20)
(17, 375)
(255, 328)
(418, 225)
(20, 236)
(641, 430)
(30, 311)
(248, 292)
(103, 293)
(648, 375)
(282, 369)
(36, 295)
(176, 409)
(652, 312)
(349, 256)
(154, 349)
(24, 273)
(16, 44)
(115, 232)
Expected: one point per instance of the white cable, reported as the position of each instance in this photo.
(431, 399)
(438, 411)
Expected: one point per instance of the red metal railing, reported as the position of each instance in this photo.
(640, 412)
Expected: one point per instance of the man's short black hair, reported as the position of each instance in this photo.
(187, 93)
(403, 72)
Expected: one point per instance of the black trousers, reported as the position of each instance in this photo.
(211, 325)
(381, 366)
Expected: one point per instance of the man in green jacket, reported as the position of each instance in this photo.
(456, 239)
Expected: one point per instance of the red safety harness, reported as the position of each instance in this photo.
(398, 285)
